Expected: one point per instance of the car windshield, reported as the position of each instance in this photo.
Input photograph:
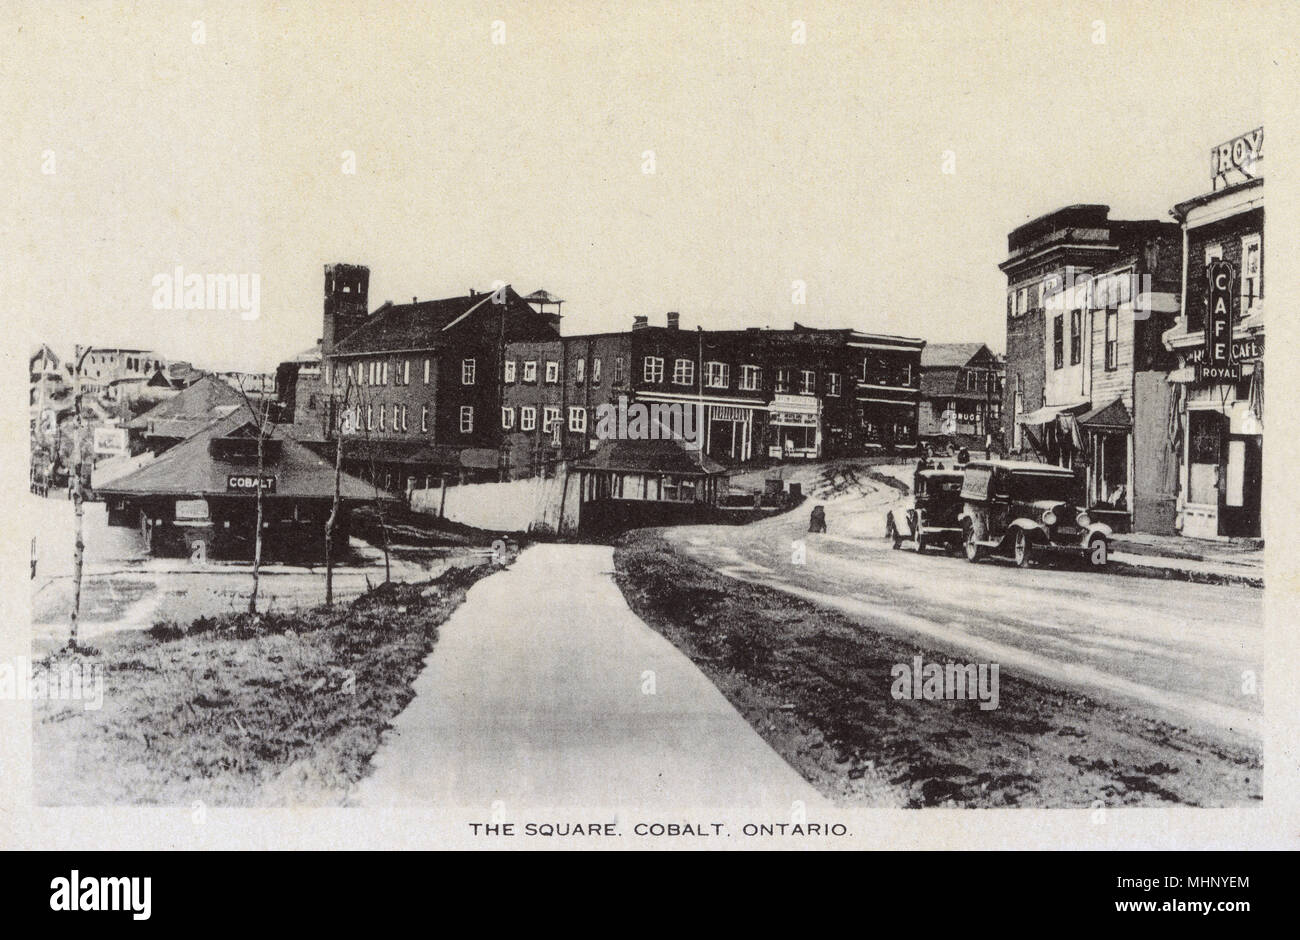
(1029, 487)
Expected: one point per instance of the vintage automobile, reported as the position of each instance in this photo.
(1026, 509)
(932, 519)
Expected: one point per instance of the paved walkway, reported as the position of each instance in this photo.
(536, 695)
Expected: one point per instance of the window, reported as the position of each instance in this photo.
(578, 420)
(1011, 304)
(403, 417)
(530, 370)
(396, 417)
(833, 384)
(527, 418)
(718, 375)
(1112, 340)
(1058, 341)
(783, 378)
(654, 369)
(683, 372)
(550, 418)
(406, 371)
(618, 370)
(678, 489)
(383, 410)
(595, 371)
(580, 371)
(383, 378)
(426, 372)
(552, 372)
(468, 371)
(1251, 289)
(1022, 301)
(751, 378)
(1076, 337)
(424, 417)
(507, 418)
(510, 370)
(466, 419)
(807, 382)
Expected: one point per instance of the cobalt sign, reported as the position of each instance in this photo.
(1219, 362)
(247, 483)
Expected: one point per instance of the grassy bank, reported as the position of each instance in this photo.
(239, 710)
(816, 685)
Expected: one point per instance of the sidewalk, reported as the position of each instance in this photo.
(545, 690)
(1236, 561)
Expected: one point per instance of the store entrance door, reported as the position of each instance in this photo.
(1239, 505)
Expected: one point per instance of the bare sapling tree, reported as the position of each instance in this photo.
(340, 423)
(261, 422)
(78, 499)
(379, 503)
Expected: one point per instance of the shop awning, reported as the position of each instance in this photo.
(1110, 416)
(1049, 413)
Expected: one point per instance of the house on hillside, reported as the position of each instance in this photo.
(961, 395)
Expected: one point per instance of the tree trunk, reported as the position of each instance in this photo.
(257, 536)
(79, 544)
(332, 523)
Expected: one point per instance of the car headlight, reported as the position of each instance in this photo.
(1082, 520)
(1049, 518)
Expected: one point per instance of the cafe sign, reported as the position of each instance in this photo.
(248, 483)
(1218, 361)
(1237, 160)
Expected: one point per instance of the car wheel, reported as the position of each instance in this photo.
(1098, 551)
(974, 551)
(891, 533)
(1023, 551)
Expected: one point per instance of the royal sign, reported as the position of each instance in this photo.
(1237, 160)
(1219, 359)
(247, 483)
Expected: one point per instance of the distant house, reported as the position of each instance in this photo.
(961, 394)
(184, 414)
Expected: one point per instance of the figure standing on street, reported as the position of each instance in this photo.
(817, 522)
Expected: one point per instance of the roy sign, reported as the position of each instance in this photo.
(1237, 160)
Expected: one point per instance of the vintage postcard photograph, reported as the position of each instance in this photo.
(646, 425)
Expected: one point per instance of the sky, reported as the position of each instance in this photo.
(139, 148)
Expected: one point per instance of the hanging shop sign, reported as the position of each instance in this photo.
(1218, 359)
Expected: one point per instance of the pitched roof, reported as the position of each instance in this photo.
(1110, 415)
(190, 469)
(423, 324)
(655, 456)
(948, 355)
(189, 411)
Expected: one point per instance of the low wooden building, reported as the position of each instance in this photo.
(199, 498)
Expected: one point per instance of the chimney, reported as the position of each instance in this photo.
(672, 319)
(640, 323)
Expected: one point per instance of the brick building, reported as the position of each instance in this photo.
(1088, 299)
(417, 388)
(1217, 417)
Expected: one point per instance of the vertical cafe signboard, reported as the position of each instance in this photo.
(1218, 360)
